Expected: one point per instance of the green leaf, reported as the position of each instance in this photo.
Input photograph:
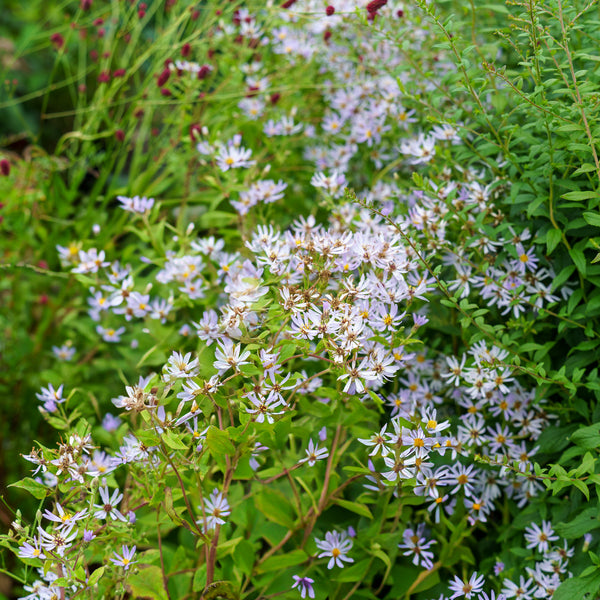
(147, 437)
(199, 581)
(587, 465)
(582, 588)
(587, 437)
(356, 572)
(37, 490)
(579, 259)
(585, 168)
(147, 583)
(173, 440)
(562, 276)
(218, 442)
(356, 507)
(585, 521)
(553, 237)
(169, 508)
(287, 350)
(275, 507)
(243, 557)
(580, 195)
(592, 218)
(282, 561)
(582, 487)
(216, 218)
(382, 556)
(95, 576)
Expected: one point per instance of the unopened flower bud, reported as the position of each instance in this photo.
(18, 528)
(195, 132)
(163, 77)
(375, 5)
(58, 40)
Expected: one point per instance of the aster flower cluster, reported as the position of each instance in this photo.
(541, 580)
(344, 295)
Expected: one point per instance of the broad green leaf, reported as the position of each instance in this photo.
(275, 507)
(585, 521)
(173, 440)
(218, 442)
(592, 218)
(580, 195)
(355, 572)
(282, 561)
(147, 583)
(587, 437)
(580, 588)
(244, 557)
(579, 259)
(359, 509)
(553, 237)
(95, 576)
(36, 489)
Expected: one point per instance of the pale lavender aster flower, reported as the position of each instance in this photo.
(335, 545)
(304, 585)
(88, 535)
(124, 560)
